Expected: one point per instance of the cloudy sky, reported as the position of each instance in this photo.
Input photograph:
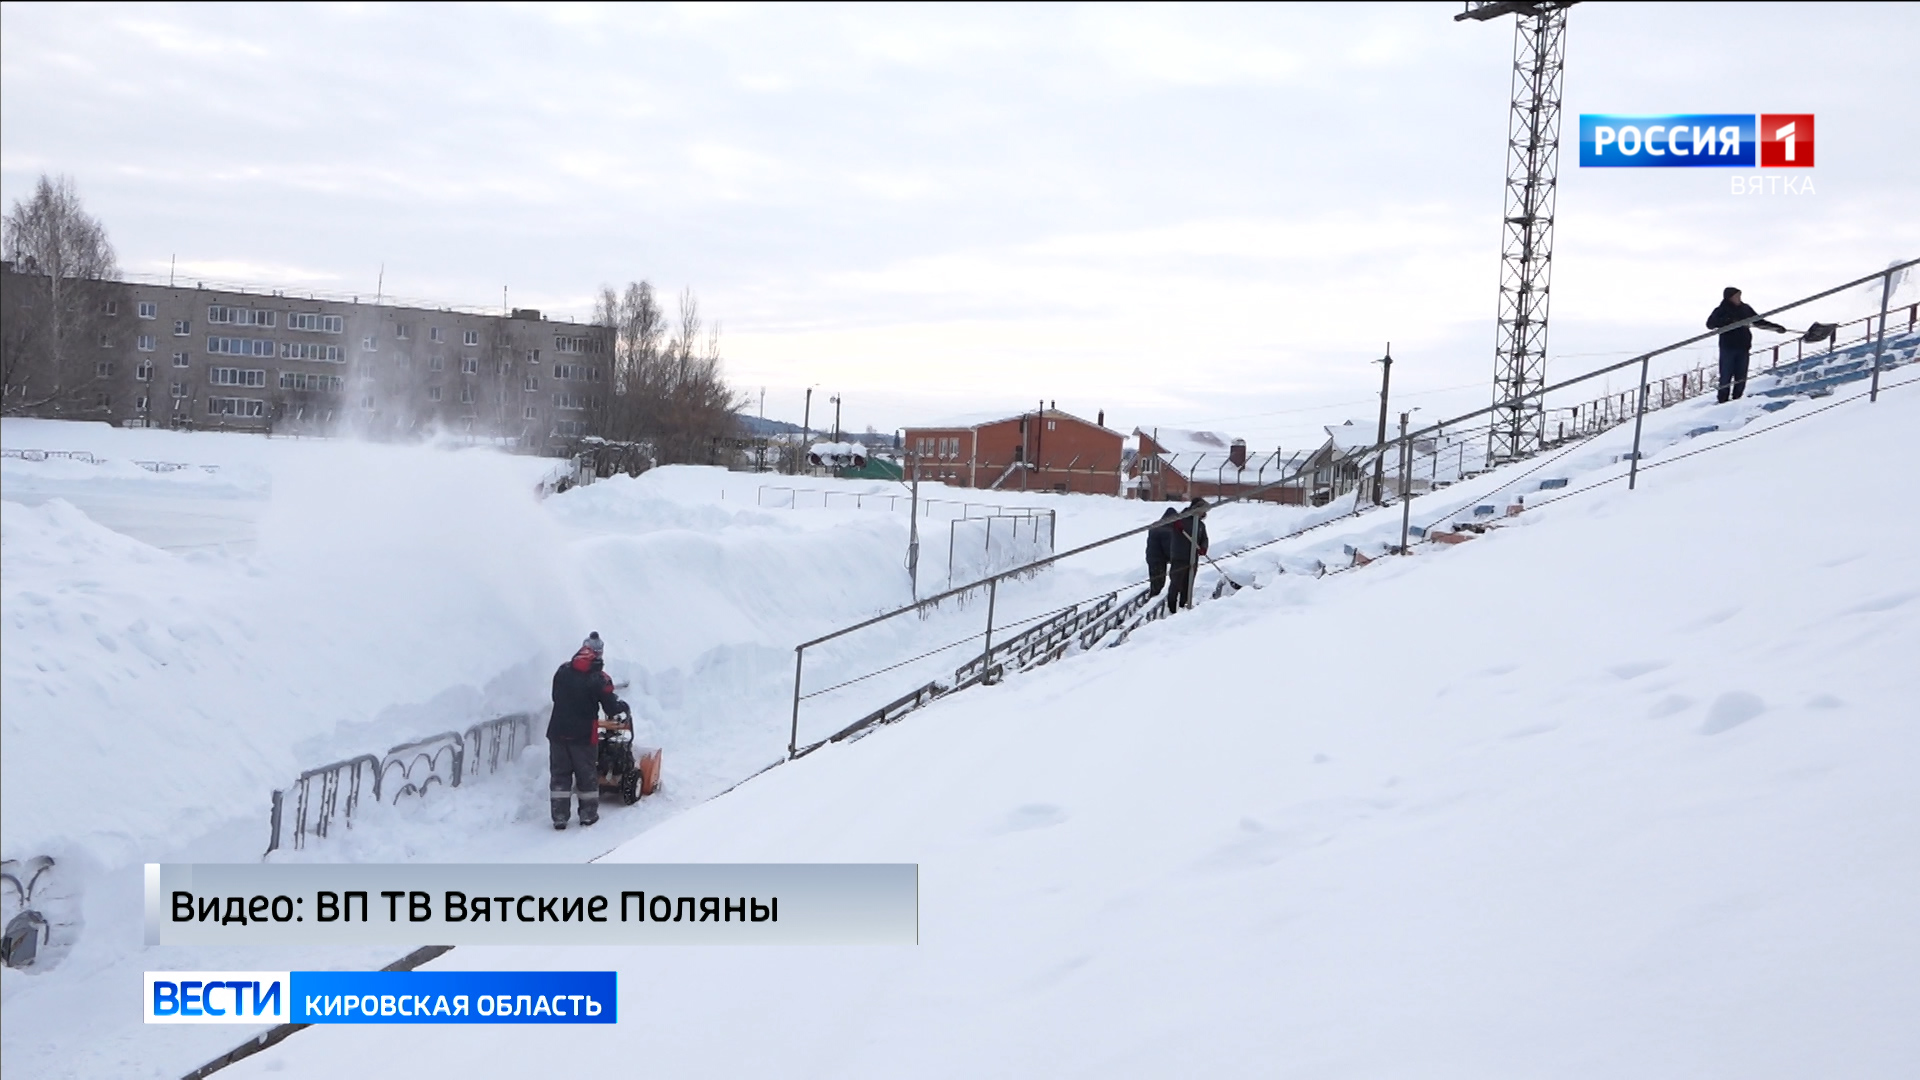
(1185, 216)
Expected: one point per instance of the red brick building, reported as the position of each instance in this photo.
(1041, 450)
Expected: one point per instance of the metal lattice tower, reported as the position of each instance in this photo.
(1526, 252)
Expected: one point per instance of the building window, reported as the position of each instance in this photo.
(182, 327)
(532, 383)
(300, 380)
(103, 369)
(570, 402)
(239, 316)
(570, 343)
(368, 344)
(309, 350)
(578, 372)
(144, 373)
(533, 356)
(435, 363)
(471, 338)
(101, 400)
(140, 403)
(434, 335)
(466, 395)
(109, 307)
(147, 309)
(106, 342)
(246, 408)
(180, 360)
(403, 331)
(144, 343)
(533, 413)
(433, 393)
(469, 365)
(367, 402)
(180, 391)
(236, 346)
(316, 322)
(232, 376)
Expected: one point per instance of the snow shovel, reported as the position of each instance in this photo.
(1819, 331)
(1223, 573)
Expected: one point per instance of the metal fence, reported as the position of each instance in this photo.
(332, 792)
(1401, 445)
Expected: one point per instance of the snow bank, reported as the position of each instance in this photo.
(1621, 790)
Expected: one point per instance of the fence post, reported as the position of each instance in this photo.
(1880, 343)
(1633, 470)
(273, 842)
(793, 735)
(1406, 483)
(986, 657)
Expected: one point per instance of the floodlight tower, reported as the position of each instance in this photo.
(1526, 252)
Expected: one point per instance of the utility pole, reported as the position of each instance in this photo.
(806, 433)
(836, 418)
(1386, 374)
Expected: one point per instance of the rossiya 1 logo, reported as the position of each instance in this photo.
(1697, 140)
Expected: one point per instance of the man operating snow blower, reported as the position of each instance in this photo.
(580, 690)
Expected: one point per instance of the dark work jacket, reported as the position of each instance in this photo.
(1180, 545)
(1160, 544)
(1740, 340)
(580, 691)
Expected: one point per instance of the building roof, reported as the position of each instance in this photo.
(1183, 441)
(1350, 436)
(975, 421)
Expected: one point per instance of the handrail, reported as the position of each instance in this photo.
(1380, 447)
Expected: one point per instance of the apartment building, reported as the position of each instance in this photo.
(226, 359)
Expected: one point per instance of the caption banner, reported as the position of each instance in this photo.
(533, 904)
(382, 997)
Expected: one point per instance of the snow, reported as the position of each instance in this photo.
(1616, 789)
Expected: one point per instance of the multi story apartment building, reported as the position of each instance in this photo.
(222, 358)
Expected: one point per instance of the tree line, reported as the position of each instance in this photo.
(668, 387)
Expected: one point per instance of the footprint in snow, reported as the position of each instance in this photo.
(1730, 710)
(1635, 669)
(1032, 816)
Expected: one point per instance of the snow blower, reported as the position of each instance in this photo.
(631, 771)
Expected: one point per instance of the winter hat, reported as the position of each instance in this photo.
(593, 644)
(1729, 293)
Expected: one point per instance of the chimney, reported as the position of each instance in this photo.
(1102, 421)
(1238, 453)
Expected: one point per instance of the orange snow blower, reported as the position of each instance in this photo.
(632, 771)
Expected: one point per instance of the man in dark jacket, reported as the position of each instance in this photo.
(1159, 553)
(1184, 555)
(580, 690)
(1735, 344)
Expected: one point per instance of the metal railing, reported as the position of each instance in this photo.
(446, 759)
(1400, 443)
(47, 455)
(859, 500)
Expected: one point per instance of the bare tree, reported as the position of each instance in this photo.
(64, 301)
(668, 388)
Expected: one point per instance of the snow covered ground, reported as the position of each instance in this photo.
(1613, 790)
(1619, 790)
(179, 644)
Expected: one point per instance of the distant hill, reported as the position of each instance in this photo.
(759, 425)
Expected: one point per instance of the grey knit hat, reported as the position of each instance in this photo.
(593, 644)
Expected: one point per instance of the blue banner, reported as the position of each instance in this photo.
(454, 997)
(1696, 140)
